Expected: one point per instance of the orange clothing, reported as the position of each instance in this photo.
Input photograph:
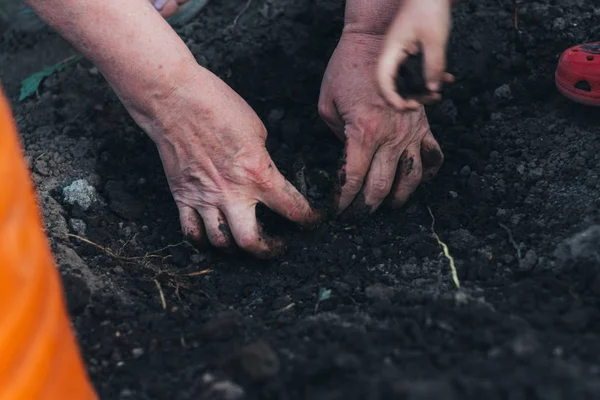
(39, 356)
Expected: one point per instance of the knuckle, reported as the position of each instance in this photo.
(296, 211)
(323, 109)
(352, 184)
(380, 188)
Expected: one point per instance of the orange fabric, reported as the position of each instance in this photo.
(39, 356)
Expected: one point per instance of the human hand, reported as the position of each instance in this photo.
(387, 152)
(211, 143)
(419, 26)
(212, 146)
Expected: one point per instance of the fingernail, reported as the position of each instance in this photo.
(434, 86)
(159, 4)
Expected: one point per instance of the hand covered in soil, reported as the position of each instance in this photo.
(420, 26)
(387, 152)
(212, 145)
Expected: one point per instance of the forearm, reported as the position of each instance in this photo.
(372, 16)
(138, 53)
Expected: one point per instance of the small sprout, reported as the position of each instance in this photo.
(30, 85)
(324, 294)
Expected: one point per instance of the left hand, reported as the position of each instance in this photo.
(387, 153)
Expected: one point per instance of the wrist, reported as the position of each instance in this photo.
(369, 17)
(373, 16)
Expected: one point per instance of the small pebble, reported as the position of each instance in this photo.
(78, 226)
(137, 352)
(503, 92)
(80, 192)
(529, 261)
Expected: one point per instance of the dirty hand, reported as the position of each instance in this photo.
(210, 141)
(212, 145)
(419, 26)
(387, 153)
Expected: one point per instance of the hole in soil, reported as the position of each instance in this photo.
(590, 58)
(583, 85)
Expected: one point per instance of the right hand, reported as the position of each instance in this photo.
(212, 146)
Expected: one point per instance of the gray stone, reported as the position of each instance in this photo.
(258, 361)
(78, 226)
(80, 192)
(529, 261)
(137, 352)
(224, 390)
(503, 92)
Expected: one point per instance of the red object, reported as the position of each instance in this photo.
(578, 74)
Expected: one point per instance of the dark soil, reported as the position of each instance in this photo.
(358, 309)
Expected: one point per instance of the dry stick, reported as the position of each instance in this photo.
(512, 240)
(446, 251)
(162, 295)
(108, 251)
(516, 14)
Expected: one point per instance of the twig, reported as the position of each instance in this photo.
(111, 253)
(516, 14)
(162, 295)
(237, 17)
(284, 309)
(197, 273)
(446, 251)
(512, 240)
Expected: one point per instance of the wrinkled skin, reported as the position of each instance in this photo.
(215, 159)
(211, 142)
(387, 153)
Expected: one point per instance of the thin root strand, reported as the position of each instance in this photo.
(446, 250)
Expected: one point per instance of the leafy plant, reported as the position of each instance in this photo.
(30, 85)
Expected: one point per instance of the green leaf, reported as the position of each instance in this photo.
(324, 294)
(30, 85)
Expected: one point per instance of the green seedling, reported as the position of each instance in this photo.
(31, 84)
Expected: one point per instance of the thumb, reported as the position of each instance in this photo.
(399, 43)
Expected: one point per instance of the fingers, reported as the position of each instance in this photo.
(410, 172)
(381, 176)
(393, 55)
(283, 198)
(217, 229)
(192, 226)
(358, 158)
(431, 156)
(236, 227)
(434, 49)
(249, 235)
